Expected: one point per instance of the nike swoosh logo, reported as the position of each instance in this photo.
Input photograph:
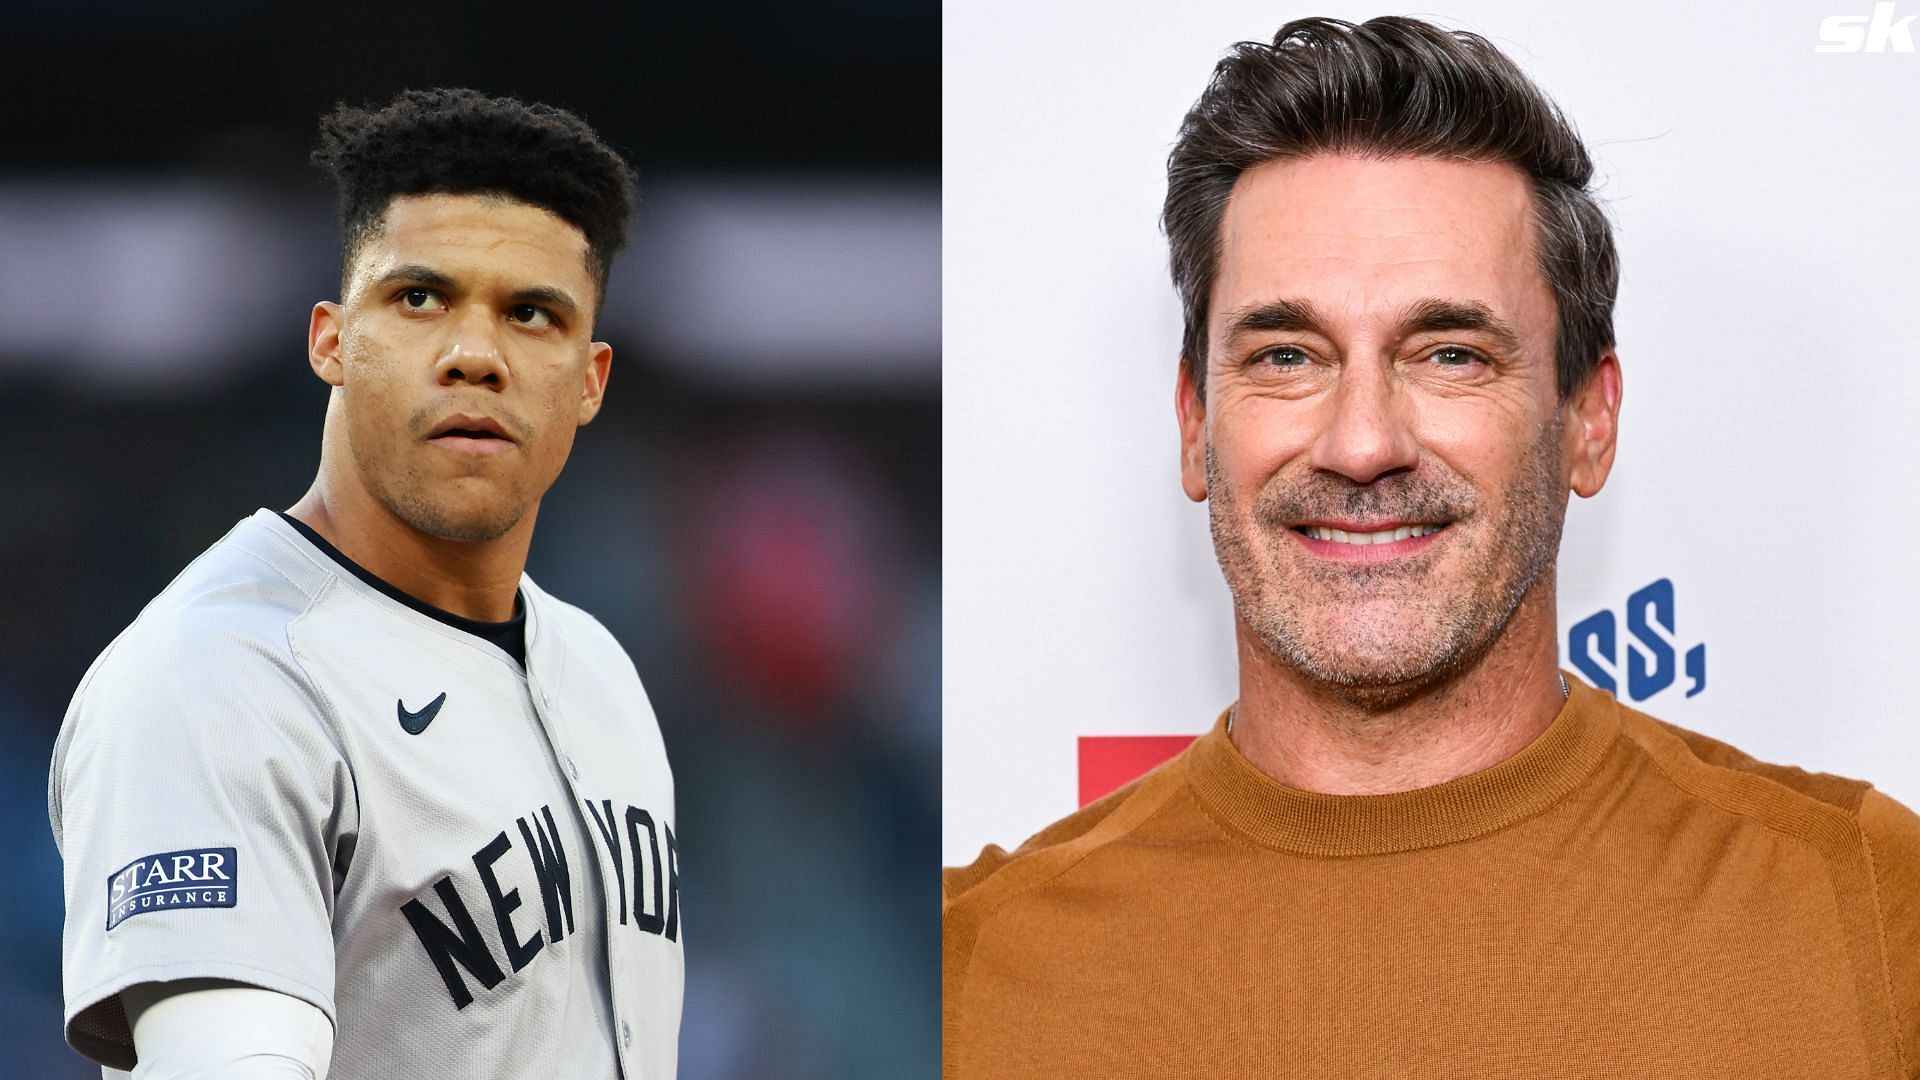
(416, 722)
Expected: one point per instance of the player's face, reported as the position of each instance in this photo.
(466, 360)
(1380, 360)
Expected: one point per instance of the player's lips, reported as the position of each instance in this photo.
(1367, 542)
(471, 434)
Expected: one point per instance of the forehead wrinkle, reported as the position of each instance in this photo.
(1380, 235)
(1351, 289)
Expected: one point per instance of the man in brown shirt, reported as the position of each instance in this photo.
(1413, 847)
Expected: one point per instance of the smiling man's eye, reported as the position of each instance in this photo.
(418, 299)
(1454, 356)
(1285, 356)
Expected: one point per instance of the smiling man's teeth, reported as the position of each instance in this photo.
(1386, 536)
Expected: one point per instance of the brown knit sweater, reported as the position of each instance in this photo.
(1621, 899)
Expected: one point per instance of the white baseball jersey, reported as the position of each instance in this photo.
(284, 775)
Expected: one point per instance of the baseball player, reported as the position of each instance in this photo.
(353, 797)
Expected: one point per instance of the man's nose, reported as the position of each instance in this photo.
(472, 351)
(1367, 431)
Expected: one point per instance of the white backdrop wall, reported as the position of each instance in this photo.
(1766, 211)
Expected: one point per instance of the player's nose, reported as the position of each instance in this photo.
(472, 352)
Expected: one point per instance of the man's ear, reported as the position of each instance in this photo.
(593, 385)
(1192, 412)
(323, 343)
(1593, 428)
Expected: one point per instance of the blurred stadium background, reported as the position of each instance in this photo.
(755, 514)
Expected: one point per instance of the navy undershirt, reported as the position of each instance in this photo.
(510, 636)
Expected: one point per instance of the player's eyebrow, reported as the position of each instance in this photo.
(549, 296)
(422, 274)
(416, 274)
(1428, 315)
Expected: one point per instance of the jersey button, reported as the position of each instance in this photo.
(572, 768)
(626, 1034)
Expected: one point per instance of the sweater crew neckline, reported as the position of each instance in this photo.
(1270, 813)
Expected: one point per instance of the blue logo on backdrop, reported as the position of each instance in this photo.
(199, 877)
(1593, 647)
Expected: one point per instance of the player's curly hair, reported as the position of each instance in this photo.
(456, 141)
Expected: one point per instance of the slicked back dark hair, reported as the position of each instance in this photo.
(462, 142)
(1390, 87)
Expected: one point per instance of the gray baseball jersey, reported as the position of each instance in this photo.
(280, 774)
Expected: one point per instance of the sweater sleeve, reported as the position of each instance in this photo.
(1892, 834)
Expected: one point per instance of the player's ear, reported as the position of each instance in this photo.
(1592, 427)
(1193, 433)
(593, 381)
(323, 343)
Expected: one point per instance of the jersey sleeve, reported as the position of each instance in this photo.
(204, 810)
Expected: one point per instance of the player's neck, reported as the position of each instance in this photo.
(1316, 738)
(473, 579)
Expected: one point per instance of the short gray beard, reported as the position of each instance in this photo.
(1369, 664)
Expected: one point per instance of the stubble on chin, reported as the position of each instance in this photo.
(1379, 635)
(488, 522)
(435, 506)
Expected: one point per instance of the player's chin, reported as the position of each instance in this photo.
(476, 529)
(466, 510)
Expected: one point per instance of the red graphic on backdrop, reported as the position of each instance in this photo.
(1112, 761)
